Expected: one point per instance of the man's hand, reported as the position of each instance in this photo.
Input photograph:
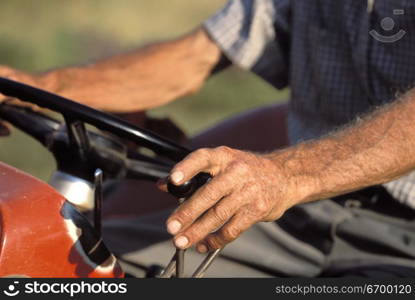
(148, 77)
(246, 188)
(16, 75)
(22, 77)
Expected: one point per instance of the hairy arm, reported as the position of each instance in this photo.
(148, 77)
(373, 150)
(248, 188)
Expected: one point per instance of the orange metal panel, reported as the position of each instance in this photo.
(36, 239)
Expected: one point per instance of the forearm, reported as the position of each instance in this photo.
(373, 150)
(146, 78)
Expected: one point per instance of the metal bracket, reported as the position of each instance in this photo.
(78, 135)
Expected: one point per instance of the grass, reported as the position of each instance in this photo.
(42, 34)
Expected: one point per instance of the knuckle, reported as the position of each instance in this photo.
(213, 242)
(207, 193)
(230, 233)
(223, 149)
(193, 235)
(261, 208)
(239, 167)
(225, 153)
(202, 152)
(183, 216)
(221, 212)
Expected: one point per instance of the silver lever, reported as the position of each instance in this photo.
(200, 271)
(98, 201)
(180, 256)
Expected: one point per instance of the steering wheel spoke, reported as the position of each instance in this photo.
(78, 135)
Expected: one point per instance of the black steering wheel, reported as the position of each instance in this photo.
(80, 151)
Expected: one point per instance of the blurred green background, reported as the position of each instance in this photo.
(37, 35)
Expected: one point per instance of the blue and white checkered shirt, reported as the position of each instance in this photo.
(341, 58)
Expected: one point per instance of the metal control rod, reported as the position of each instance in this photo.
(98, 201)
(207, 262)
(170, 269)
(180, 263)
(180, 256)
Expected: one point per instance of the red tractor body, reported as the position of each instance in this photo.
(42, 235)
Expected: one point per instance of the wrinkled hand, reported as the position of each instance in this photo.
(246, 188)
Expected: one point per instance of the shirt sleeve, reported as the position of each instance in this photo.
(254, 35)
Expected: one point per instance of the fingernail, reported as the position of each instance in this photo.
(181, 242)
(173, 227)
(177, 176)
(201, 248)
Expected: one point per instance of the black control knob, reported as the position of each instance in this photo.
(187, 189)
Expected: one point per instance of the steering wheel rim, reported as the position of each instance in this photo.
(79, 112)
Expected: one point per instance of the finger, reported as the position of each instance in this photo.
(196, 162)
(4, 98)
(17, 102)
(203, 199)
(238, 224)
(209, 222)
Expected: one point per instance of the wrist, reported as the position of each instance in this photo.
(302, 185)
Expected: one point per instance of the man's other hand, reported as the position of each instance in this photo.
(20, 76)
